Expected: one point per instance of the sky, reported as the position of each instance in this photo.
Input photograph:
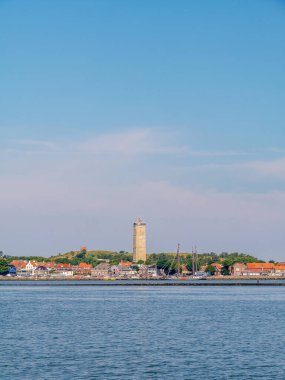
(168, 110)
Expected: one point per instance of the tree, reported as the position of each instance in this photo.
(164, 262)
(62, 260)
(225, 270)
(4, 268)
(210, 269)
(235, 257)
(74, 261)
(82, 254)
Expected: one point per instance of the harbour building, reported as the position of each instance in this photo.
(139, 241)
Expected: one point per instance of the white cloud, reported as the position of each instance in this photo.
(271, 169)
(131, 142)
(248, 170)
(29, 143)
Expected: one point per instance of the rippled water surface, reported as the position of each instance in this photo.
(79, 332)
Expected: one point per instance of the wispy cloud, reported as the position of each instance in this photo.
(275, 150)
(131, 142)
(254, 169)
(120, 148)
(271, 168)
(29, 143)
(221, 153)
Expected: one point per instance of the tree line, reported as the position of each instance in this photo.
(164, 260)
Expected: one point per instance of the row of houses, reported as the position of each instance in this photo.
(104, 270)
(258, 269)
(127, 270)
(124, 270)
(251, 269)
(23, 268)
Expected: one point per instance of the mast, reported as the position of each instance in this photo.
(195, 259)
(193, 262)
(178, 260)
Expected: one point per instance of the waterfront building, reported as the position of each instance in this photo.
(62, 272)
(124, 269)
(41, 271)
(139, 241)
(83, 269)
(30, 268)
(19, 264)
(260, 268)
(252, 269)
(12, 271)
(102, 270)
(127, 272)
(279, 270)
(148, 271)
(115, 271)
(218, 268)
(237, 269)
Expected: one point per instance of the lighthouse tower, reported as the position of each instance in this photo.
(139, 241)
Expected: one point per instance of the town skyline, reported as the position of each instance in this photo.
(104, 265)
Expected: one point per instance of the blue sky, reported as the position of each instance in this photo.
(168, 110)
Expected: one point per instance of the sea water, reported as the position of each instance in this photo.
(135, 332)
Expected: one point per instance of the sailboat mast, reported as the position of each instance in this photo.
(178, 259)
(193, 262)
(196, 259)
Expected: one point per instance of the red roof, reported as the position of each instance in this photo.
(38, 263)
(125, 264)
(280, 267)
(61, 265)
(85, 266)
(19, 263)
(216, 265)
(260, 266)
(50, 264)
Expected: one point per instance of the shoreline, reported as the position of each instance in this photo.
(213, 278)
(270, 281)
